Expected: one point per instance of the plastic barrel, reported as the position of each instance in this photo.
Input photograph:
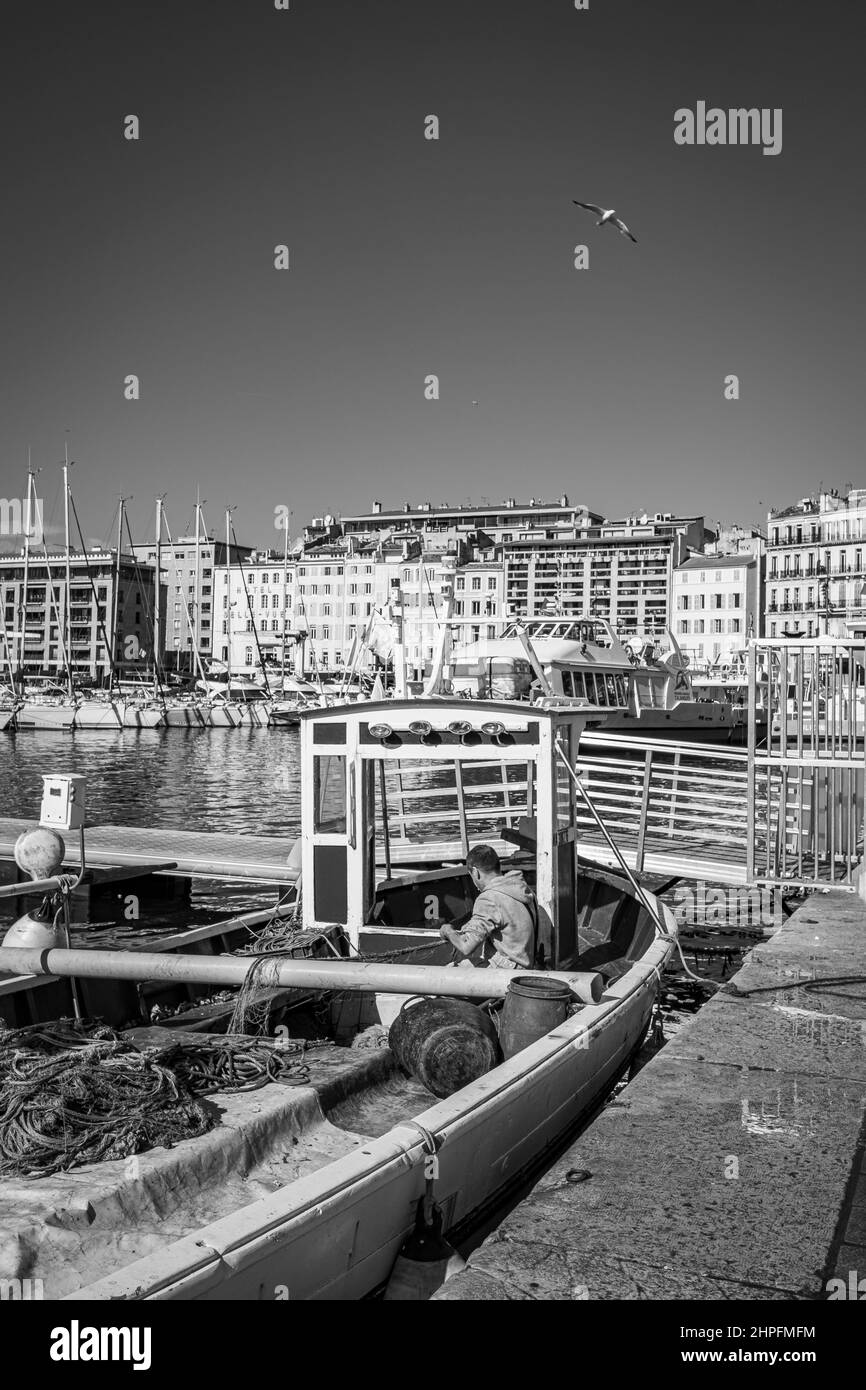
(532, 1008)
(444, 1043)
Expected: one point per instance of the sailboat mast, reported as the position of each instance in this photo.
(157, 588)
(229, 595)
(116, 605)
(196, 635)
(67, 607)
(22, 607)
(285, 588)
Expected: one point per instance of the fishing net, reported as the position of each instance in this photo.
(105, 1100)
(77, 1094)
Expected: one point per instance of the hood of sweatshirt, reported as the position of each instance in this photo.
(514, 886)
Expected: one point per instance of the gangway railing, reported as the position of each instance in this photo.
(806, 782)
(684, 801)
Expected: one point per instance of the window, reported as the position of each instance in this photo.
(476, 581)
(735, 600)
(476, 607)
(491, 581)
(461, 582)
(718, 624)
(263, 600)
(275, 579)
(248, 656)
(684, 624)
(733, 625)
(275, 600)
(699, 624)
(207, 574)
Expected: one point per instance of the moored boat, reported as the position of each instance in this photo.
(394, 795)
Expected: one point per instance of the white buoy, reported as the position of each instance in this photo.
(39, 853)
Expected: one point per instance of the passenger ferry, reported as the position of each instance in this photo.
(583, 659)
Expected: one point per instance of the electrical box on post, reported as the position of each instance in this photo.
(63, 799)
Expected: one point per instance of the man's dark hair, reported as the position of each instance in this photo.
(484, 858)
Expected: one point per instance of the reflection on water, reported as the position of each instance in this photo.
(243, 780)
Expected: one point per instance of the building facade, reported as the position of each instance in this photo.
(717, 606)
(103, 617)
(188, 568)
(498, 522)
(619, 570)
(816, 582)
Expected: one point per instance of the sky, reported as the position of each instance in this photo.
(409, 257)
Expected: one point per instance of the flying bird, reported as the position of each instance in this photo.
(606, 215)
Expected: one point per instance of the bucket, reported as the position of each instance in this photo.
(532, 1008)
(444, 1043)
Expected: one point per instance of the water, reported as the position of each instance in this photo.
(242, 780)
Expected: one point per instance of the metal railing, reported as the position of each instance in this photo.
(806, 783)
(685, 801)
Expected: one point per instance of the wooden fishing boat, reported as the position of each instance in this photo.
(309, 1191)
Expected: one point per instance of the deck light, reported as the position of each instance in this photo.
(421, 727)
(460, 726)
(492, 727)
(380, 731)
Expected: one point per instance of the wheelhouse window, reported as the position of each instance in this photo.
(329, 791)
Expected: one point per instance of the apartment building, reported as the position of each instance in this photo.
(102, 616)
(621, 570)
(816, 582)
(717, 602)
(497, 522)
(188, 567)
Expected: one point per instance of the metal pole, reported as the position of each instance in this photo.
(301, 974)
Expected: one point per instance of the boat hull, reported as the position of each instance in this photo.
(99, 714)
(6, 718)
(183, 717)
(139, 717)
(336, 1233)
(32, 715)
(225, 716)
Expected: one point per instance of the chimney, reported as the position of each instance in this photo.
(377, 507)
(563, 501)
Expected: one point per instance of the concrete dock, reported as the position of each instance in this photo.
(732, 1166)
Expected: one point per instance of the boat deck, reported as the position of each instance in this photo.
(192, 853)
(75, 1227)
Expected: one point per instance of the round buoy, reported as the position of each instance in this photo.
(39, 852)
(36, 930)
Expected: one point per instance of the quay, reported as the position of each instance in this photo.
(182, 853)
(732, 1166)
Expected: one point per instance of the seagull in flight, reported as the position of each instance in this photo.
(606, 215)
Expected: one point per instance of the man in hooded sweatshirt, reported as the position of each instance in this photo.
(504, 918)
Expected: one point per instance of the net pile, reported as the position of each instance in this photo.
(101, 1100)
(77, 1094)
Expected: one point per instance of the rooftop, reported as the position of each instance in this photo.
(718, 562)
